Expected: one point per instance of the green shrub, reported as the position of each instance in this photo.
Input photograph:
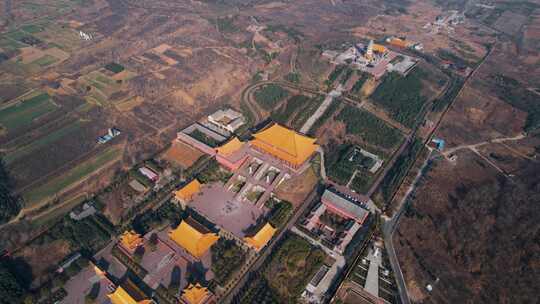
(114, 67)
(368, 127)
(401, 96)
(270, 95)
(227, 257)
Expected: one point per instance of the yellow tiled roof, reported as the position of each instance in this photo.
(230, 147)
(285, 144)
(379, 48)
(120, 296)
(399, 42)
(131, 240)
(188, 191)
(262, 237)
(194, 241)
(195, 294)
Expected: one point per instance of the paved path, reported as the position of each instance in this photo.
(267, 251)
(322, 108)
(351, 179)
(389, 227)
(323, 168)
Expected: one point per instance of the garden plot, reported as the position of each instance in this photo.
(237, 184)
(254, 193)
(352, 166)
(270, 175)
(254, 166)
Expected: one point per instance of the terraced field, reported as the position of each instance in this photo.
(51, 138)
(69, 178)
(23, 114)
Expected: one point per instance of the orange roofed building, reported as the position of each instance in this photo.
(196, 294)
(379, 48)
(184, 195)
(259, 240)
(130, 240)
(231, 155)
(398, 42)
(193, 237)
(129, 293)
(287, 145)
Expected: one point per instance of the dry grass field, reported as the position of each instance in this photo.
(297, 189)
(182, 154)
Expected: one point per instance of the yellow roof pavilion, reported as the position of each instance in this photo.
(285, 144)
(399, 42)
(379, 48)
(188, 191)
(195, 294)
(230, 147)
(193, 240)
(262, 237)
(121, 296)
(131, 240)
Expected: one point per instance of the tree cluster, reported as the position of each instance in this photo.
(9, 202)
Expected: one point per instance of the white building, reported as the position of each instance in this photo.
(228, 119)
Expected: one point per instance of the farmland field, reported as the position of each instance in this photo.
(55, 185)
(11, 91)
(32, 29)
(45, 61)
(60, 36)
(24, 113)
(10, 44)
(41, 142)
